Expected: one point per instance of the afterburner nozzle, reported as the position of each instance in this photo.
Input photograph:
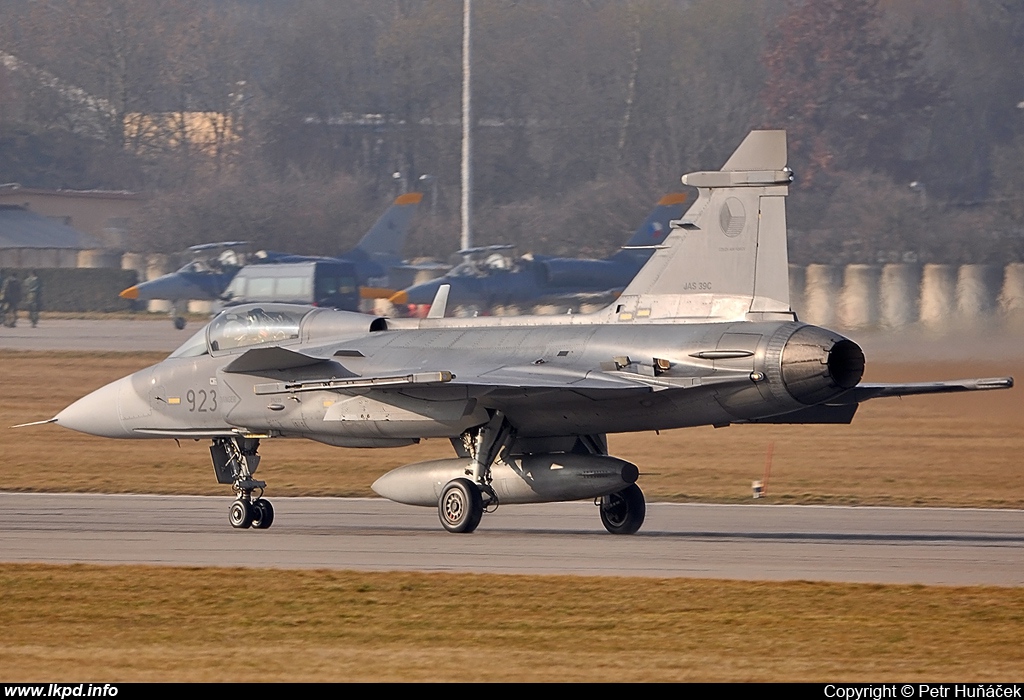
(818, 365)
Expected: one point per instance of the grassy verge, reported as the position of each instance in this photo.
(110, 624)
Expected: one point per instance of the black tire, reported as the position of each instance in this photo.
(460, 506)
(623, 512)
(240, 514)
(179, 322)
(263, 514)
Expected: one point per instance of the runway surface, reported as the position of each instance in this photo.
(96, 335)
(751, 542)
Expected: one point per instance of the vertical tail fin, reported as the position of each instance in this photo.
(386, 237)
(726, 259)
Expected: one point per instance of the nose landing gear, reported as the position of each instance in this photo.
(234, 461)
(258, 514)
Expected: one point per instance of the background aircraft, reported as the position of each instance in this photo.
(207, 277)
(703, 335)
(491, 279)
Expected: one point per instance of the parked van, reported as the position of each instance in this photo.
(320, 283)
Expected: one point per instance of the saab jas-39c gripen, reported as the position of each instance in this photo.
(703, 335)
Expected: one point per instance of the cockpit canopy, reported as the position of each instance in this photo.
(250, 325)
(246, 326)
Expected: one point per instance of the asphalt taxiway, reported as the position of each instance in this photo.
(96, 335)
(932, 546)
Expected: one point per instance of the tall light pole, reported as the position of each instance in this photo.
(466, 240)
(425, 180)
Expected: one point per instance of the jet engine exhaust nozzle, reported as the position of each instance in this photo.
(818, 365)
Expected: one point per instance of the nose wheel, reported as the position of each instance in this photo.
(257, 514)
(240, 514)
(264, 515)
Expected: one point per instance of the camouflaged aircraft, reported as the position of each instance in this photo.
(489, 279)
(215, 265)
(703, 335)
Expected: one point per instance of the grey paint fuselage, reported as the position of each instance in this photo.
(198, 393)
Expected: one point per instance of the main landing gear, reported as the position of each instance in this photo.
(460, 506)
(623, 513)
(464, 500)
(234, 461)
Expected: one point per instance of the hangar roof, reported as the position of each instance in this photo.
(21, 228)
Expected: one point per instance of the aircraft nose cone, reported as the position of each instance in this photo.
(130, 293)
(172, 286)
(99, 412)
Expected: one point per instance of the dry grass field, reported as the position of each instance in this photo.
(953, 450)
(118, 624)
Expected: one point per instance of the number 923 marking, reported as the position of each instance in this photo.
(201, 401)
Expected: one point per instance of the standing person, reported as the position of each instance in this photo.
(32, 291)
(10, 292)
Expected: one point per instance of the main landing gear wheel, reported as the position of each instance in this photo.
(179, 322)
(460, 506)
(263, 514)
(623, 512)
(241, 514)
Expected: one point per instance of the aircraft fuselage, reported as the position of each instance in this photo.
(671, 376)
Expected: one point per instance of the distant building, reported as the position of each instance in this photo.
(103, 215)
(28, 239)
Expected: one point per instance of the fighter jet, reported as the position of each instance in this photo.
(488, 278)
(207, 277)
(703, 335)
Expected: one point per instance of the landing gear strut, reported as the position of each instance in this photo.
(234, 461)
(463, 501)
(176, 318)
